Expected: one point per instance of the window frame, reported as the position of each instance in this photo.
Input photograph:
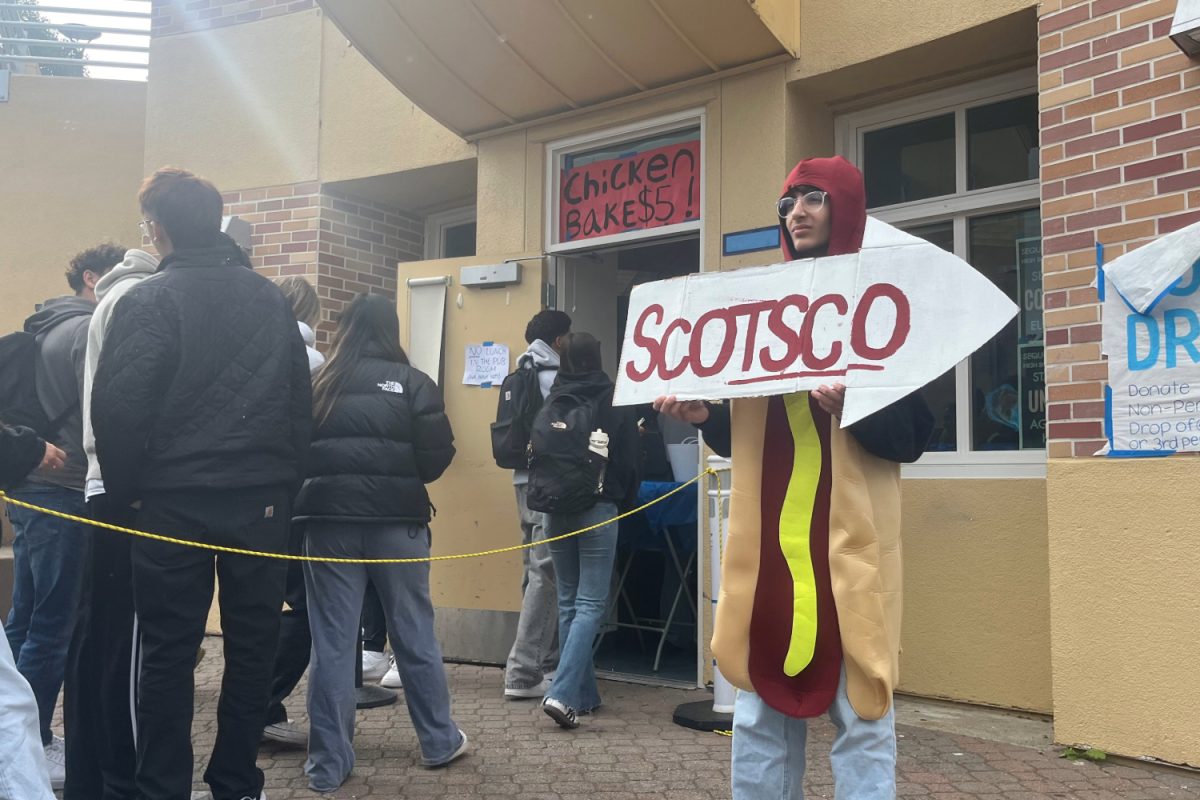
(558, 149)
(849, 130)
(436, 225)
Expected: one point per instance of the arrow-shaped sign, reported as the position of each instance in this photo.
(884, 321)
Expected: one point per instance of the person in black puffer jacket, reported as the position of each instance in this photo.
(381, 435)
(202, 410)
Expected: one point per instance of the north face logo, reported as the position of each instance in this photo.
(392, 386)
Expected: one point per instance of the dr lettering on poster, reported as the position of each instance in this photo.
(1151, 335)
(884, 321)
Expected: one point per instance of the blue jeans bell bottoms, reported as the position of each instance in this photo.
(769, 757)
(583, 566)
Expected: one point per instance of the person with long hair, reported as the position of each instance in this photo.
(381, 435)
(583, 564)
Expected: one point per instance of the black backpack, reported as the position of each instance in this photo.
(520, 400)
(565, 477)
(19, 403)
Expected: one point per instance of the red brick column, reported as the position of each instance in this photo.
(1120, 150)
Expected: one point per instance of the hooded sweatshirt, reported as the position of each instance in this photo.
(61, 327)
(811, 573)
(543, 355)
(315, 358)
(137, 266)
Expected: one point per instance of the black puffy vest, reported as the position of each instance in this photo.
(385, 438)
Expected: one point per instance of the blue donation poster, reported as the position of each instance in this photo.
(1031, 375)
(1153, 397)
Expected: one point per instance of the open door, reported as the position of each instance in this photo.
(586, 288)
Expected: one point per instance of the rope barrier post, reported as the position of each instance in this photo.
(715, 715)
(372, 695)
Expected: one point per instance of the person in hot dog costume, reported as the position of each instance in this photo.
(808, 620)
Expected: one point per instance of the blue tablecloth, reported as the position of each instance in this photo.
(674, 516)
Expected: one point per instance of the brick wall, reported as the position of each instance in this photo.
(179, 16)
(283, 234)
(360, 242)
(1120, 150)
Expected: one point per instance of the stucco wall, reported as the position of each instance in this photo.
(1124, 605)
(367, 126)
(976, 592)
(70, 169)
(238, 105)
(836, 34)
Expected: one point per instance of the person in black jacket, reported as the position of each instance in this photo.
(202, 410)
(22, 451)
(584, 563)
(381, 436)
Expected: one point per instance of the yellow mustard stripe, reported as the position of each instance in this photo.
(331, 560)
(795, 528)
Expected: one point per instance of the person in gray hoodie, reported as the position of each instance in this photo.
(534, 654)
(96, 702)
(50, 553)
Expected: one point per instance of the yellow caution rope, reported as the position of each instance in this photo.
(332, 560)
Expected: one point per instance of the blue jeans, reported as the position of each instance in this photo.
(768, 751)
(50, 556)
(583, 565)
(335, 600)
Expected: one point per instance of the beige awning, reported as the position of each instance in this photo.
(479, 65)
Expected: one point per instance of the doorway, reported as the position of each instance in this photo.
(651, 631)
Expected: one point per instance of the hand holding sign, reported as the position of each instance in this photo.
(883, 322)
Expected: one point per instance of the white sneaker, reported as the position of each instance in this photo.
(375, 665)
(463, 747)
(529, 693)
(56, 762)
(392, 679)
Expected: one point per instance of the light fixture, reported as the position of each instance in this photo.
(1185, 27)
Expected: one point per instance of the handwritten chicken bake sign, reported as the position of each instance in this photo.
(884, 321)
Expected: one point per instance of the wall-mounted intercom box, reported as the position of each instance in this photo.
(491, 275)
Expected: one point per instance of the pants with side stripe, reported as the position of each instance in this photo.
(98, 689)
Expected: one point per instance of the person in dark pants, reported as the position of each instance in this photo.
(295, 642)
(97, 708)
(202, 410)
(381, 436)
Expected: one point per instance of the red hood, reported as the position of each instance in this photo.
(847, 199)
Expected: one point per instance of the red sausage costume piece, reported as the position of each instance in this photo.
(811, 574)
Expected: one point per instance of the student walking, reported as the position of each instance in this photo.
(583, 469)
(381, 436)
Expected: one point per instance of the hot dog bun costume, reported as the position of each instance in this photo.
(811, 576)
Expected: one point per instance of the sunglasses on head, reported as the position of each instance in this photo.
(810, 201)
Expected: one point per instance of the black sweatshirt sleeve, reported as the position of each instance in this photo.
(21, 451)
(899, 432)
(433, 438)
(717, 429)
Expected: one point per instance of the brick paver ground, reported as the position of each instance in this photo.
(631, 749)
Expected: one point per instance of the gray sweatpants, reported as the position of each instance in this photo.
(535, 650)
(335, 597)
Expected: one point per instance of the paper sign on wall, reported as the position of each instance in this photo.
(1151, 328)
(486, 364)
(884, 321)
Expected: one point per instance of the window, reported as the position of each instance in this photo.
(959, 168)
(450, 234)
(637, 181)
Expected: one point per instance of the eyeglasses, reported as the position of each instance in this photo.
(810, 201)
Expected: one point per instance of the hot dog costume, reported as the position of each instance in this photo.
(811, 575)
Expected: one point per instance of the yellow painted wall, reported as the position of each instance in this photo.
(976, 592)
(70, 167)
(369, 128)
(836, 34)
(240, 104)
(476, 506)
(1125, 607)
